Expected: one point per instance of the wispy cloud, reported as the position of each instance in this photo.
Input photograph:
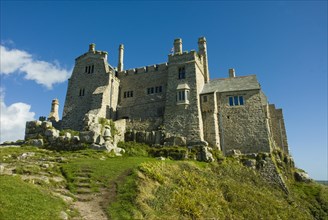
(13, 119)
(42, 72)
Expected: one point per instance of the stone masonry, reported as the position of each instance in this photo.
(174, 102)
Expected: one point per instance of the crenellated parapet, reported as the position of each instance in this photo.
(145, 69)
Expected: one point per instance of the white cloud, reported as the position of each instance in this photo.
(13, 119)
(42, 72)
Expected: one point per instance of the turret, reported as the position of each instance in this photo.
(203, 52)
(53, 116)
(120, 57)
(178, 46)
(92, 47)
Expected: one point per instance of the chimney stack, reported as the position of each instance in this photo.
(120, 58)
(92, 47)
(178, 46)
(232, 73)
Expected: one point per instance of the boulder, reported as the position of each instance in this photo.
(205, 155)
(51, 133)
(175, 141)
(250, 163)
(233, 152)
(46, 124)
(302, 176)
(90, 137)
(36, 142)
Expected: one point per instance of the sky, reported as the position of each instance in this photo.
(283, 42)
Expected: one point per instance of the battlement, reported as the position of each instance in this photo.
(184, 57)
(146, 69)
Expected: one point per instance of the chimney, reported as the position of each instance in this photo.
(232, 73)
(203, 52)
(178, 46)
(120, 58)
(92, 47)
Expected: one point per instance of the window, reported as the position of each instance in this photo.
(205, 98)
(89, 69)
(81, 92)
(152, 90)
(236, 100)
(183, 97)
(182, 73)
(128, 94)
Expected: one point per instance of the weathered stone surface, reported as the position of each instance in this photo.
(250, 163)
(175, 141)
(205, 155)
(51, 133)
(36, 142)
(301, 176)
(233, 152)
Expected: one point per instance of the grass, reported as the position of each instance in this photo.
(193, 190)
(147, 188)
(20, 200)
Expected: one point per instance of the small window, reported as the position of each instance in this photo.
(182, 97)
(205, 98)
(152, 90)
(92, 68)
(81, 92)
(128, 94)
(182, 73)
(86, 69)
(231, 101)
(241, 100)
(148, 91)
(236, 100)
(160, 89)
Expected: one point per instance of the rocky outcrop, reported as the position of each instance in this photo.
(302, 176)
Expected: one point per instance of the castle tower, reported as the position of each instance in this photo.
(202, 50)
(92, 89)
(185, 82)
(120, 58)
(53, 116)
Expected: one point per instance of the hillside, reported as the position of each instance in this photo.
(41, 184)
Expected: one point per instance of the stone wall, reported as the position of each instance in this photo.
(277, 128)
(151, 124)
(143, 105)
(88, 92)
(210, 119)
(243, 127)
(184, 119)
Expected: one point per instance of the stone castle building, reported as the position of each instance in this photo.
(176, 98)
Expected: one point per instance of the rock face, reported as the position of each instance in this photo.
(301, 176)
(96, 135)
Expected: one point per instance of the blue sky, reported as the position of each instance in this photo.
(283, 42)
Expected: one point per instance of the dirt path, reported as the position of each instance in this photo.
(92, 205)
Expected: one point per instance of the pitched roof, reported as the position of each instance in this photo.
(232, 84)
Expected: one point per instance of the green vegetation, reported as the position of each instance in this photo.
(72, 132)
(110, 123)
(141, 187)
(20, 200)
(102, 171)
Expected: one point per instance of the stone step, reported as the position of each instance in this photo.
(83, 184)
(83, 190)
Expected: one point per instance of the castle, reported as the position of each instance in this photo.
(176, 98)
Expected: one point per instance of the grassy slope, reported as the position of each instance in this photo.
(20, 200)
(162, 189)
(192, 190)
